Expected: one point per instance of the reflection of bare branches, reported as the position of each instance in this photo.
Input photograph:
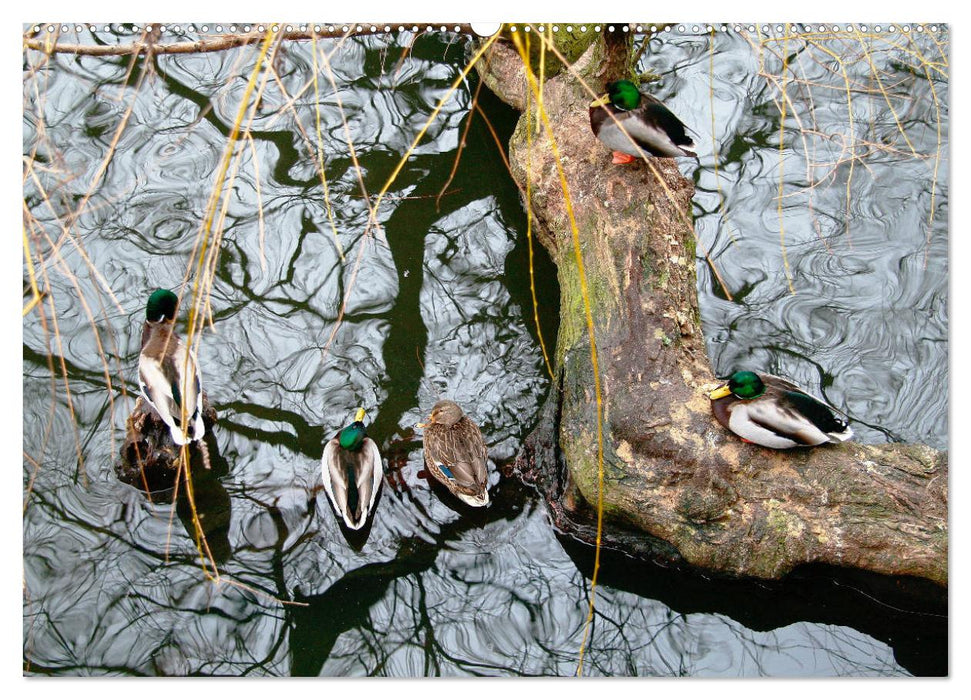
(112, 583)
(832, 56)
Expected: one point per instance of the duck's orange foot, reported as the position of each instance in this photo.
(622, 158)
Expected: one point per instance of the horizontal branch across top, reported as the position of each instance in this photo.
(149, 40)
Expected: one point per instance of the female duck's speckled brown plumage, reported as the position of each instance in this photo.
(456, 454)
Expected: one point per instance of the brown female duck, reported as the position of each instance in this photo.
(456, 454)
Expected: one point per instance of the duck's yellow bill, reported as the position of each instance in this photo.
(359, 416)
(720, 393)
(600, 101)
(421, 425)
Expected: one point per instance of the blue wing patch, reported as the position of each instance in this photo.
(446, 471)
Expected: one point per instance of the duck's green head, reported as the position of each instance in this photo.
(352, 437)
(742, 385)
(624, 95)
(161, 305)
(746, 385)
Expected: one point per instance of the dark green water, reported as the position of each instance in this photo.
(440, 307)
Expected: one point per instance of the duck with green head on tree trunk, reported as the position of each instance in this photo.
(772, 412)
(637, 125)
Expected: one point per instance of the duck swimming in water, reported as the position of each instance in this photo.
(168, 374)
(352, 472)
(456, 454)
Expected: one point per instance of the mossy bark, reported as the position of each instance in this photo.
(676, 485)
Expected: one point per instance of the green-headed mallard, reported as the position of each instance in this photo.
(652, 129)
(455, 453)
(352, 472)
(168, 374)
(773, 412)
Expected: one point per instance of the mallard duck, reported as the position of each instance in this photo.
(168, 374)
(455, 453)
(773, 412)
(352, 471)
(652, 129)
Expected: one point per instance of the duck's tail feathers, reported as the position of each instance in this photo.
(689, 151)
(842, 436)
(476, 501)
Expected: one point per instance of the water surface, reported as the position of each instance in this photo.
(439, 306)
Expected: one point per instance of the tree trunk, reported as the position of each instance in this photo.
(676, 484)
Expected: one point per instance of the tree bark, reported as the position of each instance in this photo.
(678, 486)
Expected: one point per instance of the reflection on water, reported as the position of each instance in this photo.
(439, 306)
(866, 326)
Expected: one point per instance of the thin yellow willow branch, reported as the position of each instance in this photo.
(529, 235)
(885, 39)
(782, 147)
(259, 201)
(113, 144)
(886, 96)
(461, 146)
(357, 166)
(28, 259)
(660, 180)
(809, 146)
(529, 226)
(358, 170)
(940, 48)
(320, 159)
(428, 122)
(937, 164)
(401, 59)
(206, 233)
(212, 257)
(68, 273)
(237, 160)
(373, 214)
(802, 130)
(714, 134)
(588, 313)
(48, 356)
(205, 251)
(228, 41)
(291, 106)
(66, 234)
(64, 376)
(852, 133)
(202, 544)
(372, 209)
(542, 74)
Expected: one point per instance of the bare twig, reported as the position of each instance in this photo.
(231, 41)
